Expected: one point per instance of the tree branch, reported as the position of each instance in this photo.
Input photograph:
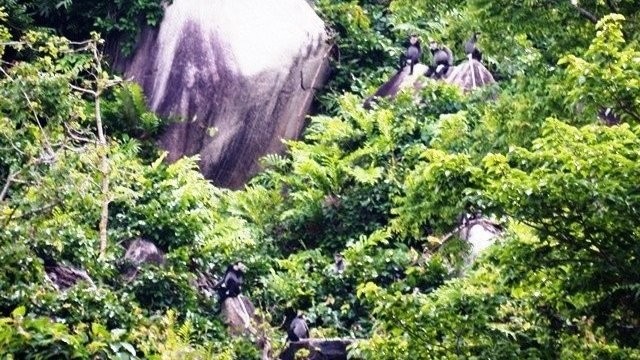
(7, 184)
(612, 6)
(37, 210)
(83, 90)
(584, 13)
(77, 137)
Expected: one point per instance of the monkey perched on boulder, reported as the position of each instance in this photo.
(231, 283)
(298, 329)
(471, 48)
(412, 55)
(442, 61)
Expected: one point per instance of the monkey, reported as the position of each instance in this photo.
(298, 328)
(608, 116)
(442, 60)
(471, 49)
(412, 55)
(339, 263)
(231, 283)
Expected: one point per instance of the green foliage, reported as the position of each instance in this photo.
(128, 114)
(585, 207)
(609, 73)
(117, 20)
(436, 193)
(42, 337)
(378, 186)
(50, 206)
(366, 46)
(169, 206)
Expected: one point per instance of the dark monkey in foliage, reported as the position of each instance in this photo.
(298, 328)
(339, 264)
(471, 48)
(442, 60)
(412, 55)
(231, 283)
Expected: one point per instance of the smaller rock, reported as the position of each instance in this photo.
(470, 75)
(239, 315)
(320, 349)
(401, 80)
(481, 233)
(63, 277)
(140, 252)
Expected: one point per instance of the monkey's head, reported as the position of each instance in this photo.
(434, 46)
(414, 39)
(240, 267)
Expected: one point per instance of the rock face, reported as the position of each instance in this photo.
(140, 252)
(63, 277)
(470, 75)
(245, 70)
(401, 80)
(481, 233)
(239, 314)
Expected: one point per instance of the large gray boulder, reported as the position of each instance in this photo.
(241, 73)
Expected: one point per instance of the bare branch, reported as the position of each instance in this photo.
(37, 210)
(612, 6)
(584, 13)
(75, 136)
(85, 43)
(86, 91)
(102, 146)
(78, 150)
(7, 184)
(16, 148)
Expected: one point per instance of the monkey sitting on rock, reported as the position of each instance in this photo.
(442, 61)
(231, 283)
(471, 47)
(412, 55)
(298, 329)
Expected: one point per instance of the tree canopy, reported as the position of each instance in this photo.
(81, 177)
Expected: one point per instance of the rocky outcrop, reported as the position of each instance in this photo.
(320, 349)
(240, 73)
(140, 252)
(401, 80)
(239, 315)
(480, 232)
(470, 75)
(62, 277)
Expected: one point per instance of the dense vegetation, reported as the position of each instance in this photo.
(79, 177)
